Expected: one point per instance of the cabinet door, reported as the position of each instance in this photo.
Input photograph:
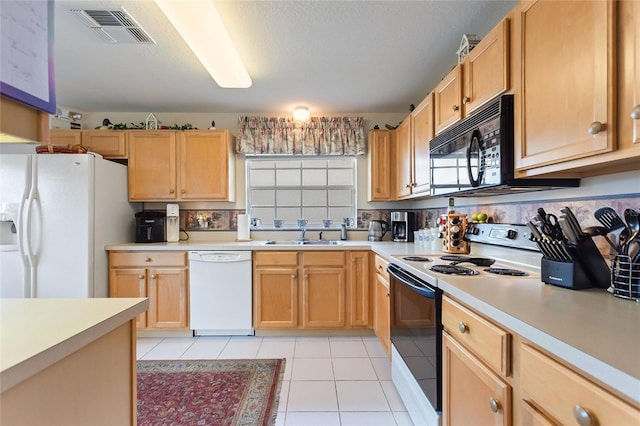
(108, 143)
(486, 69)
(205, 166)
(65, 137)
(471, 393)
(382, 323)
(447, 99)
(130, 282)
(563, 81)
(380, 161)
(168, 298)
(323, 291)
(275, 297)
(403, 159)
(629, 75)
(152, 166)
(422, 135)
(358, 289)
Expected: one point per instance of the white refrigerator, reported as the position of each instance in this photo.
(57, 213)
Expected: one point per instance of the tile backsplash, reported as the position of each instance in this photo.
(520, 213)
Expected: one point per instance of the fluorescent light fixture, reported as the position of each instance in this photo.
(301, 113)
(201, 27)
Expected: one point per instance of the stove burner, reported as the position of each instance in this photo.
(454, 270)
(417, 259)
(504, 271)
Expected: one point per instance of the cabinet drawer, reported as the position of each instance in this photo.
(323, 258)
(276, 258)
(147, 258)
(381, 266)
(559, 391)
(489, 342)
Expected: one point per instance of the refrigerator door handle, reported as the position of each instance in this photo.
(30, 254)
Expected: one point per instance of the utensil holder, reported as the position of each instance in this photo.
(587, 268)
(625, 278)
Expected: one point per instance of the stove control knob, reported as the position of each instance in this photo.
(512, 234)
(476, 230)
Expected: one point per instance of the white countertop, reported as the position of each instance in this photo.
(36, 333)
(589, 329)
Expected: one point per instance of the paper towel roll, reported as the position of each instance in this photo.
(243, 227)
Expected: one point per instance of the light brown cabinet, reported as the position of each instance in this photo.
(311, 289)
(380, 158)
(160, 276)
(423, 132)
(555, 393)
(475, 363)
(65, 137)
(564, 84)
(108, 143)
(448, 100)
(181, 166)
(381, 323)
(358, 283)
(403, 157)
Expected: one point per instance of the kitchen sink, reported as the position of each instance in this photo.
(303, 242)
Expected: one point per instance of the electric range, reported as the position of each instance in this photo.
(500, 253)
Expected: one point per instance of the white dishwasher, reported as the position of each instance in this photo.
(220, 293)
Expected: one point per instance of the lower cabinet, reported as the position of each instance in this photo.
(160, 276)
(382, 322)
(310, 289)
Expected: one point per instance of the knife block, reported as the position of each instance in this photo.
(586, 269)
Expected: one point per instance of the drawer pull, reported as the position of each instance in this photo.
(494, 405)
(635, 112)
(464, 328)
(582, 416)
(147, 259)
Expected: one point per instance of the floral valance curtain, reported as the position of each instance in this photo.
(317, 136)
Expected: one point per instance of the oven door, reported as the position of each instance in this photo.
(416, 330)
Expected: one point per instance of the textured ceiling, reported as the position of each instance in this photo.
(334, 56)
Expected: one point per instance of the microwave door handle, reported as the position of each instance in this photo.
(476, 139)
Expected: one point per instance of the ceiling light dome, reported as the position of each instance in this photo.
(301, 113)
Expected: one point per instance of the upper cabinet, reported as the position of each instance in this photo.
(448, 100)
(423, 132)
(108, 143)
(485, 70)
(564, 84)
(203, 160)
(629, 78)
(65, 137)
(380, 160)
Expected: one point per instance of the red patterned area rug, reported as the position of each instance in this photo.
(209, 392)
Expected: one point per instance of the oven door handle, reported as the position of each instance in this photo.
(414, 283)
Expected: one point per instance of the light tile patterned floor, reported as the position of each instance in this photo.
(341, 381)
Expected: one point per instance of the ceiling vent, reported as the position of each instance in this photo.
(113, 25)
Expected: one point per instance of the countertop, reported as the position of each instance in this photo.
(589, 329)
(62, 326)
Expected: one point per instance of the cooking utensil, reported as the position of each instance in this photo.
(535, 232)
(600, 231)
(633, 224)
(609, 218)
(567, 229)
(549, 225)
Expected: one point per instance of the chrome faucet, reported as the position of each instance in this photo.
(320, 236)
(303, 231)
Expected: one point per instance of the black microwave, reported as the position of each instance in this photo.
(475, 157)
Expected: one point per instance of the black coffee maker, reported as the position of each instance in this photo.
(150, 227)
(402, 226)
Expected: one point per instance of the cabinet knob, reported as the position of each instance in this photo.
(380, 267)
(147, 259)
(494, 405)
(463, 327)
(388, 295)
(140, 276)
(408, 185)
(455, 108)
(293, 276)
(582, 416)
(353, 260)
(171, 191)
(595, 128)
(306, 276)
(184, 191)
(153, 276)
(635, 112)
(466, 100)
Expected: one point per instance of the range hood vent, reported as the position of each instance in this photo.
(113, 25)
